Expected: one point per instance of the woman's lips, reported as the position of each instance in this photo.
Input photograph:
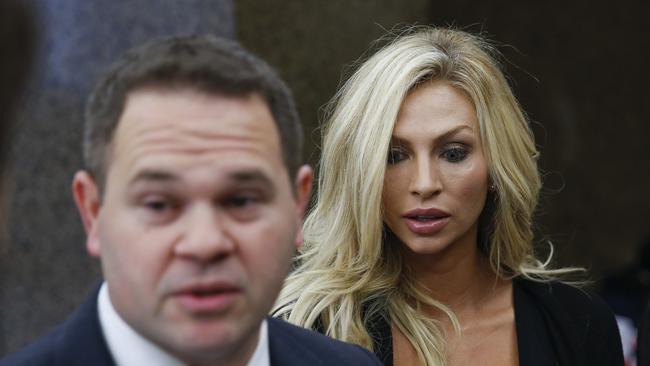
(426, 227)
(426, 221)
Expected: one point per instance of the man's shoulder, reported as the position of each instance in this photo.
(77, 341)
(41, 352)
(290, 342)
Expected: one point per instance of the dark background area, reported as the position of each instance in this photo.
(578, 69)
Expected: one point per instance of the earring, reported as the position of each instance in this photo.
(492, 187)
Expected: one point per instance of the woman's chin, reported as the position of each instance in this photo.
(426, 246)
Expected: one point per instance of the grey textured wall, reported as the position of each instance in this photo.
(46, 273)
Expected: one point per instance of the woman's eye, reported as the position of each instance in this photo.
(455, 154)
(395, 156)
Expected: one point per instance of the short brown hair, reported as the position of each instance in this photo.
(205, 63)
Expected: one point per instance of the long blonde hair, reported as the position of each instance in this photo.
(346, 272)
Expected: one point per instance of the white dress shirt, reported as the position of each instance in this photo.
(131, 349)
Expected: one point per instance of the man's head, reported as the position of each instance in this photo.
(207, 64)
(200, 211)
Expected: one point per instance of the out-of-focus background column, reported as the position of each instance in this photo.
(45, 273)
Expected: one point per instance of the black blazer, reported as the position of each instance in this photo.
(79, 342)
(643, 339)
(556, 324)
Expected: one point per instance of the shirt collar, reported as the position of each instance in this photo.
(261, 355)
(129, 348)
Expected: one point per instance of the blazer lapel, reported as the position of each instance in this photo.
(286, 349)
(82, 341)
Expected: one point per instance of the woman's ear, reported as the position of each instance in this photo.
(86, 196)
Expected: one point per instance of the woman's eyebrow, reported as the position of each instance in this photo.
(396, 140)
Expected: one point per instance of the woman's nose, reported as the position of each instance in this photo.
(425, 180)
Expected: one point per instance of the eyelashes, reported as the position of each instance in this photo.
(395, 155)
(455, 154)
(452, 153)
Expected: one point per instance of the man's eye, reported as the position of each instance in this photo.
(242, 201)
(158, 210)
(455, 154)
(395, 156)
(158, 205)
(244, 207)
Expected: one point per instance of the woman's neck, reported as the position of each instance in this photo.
(459, 277)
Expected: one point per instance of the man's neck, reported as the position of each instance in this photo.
(254, 353)
(127, 346)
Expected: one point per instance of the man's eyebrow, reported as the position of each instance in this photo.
(397, 141)
(251, 176)
(238, 177)
(151, 175)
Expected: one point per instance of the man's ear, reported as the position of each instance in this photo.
(86, 196)
(303, 184)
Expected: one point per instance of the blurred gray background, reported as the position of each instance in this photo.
(45, 272)
(579, 69)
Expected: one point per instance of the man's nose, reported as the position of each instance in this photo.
(425, 178)
(205, 236)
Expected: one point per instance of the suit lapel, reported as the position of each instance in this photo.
(82, 341)
(286, 349)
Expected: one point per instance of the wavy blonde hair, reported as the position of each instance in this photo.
(346, 272)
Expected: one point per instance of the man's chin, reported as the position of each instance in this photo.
(213, 346)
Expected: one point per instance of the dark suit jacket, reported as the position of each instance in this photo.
(643, 339)
(79, 342)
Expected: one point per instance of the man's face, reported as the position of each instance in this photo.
(198, 221)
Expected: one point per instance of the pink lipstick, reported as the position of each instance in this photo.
(426, 221)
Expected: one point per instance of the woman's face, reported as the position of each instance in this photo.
(436, 178)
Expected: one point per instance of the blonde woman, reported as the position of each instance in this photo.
(419, 245)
